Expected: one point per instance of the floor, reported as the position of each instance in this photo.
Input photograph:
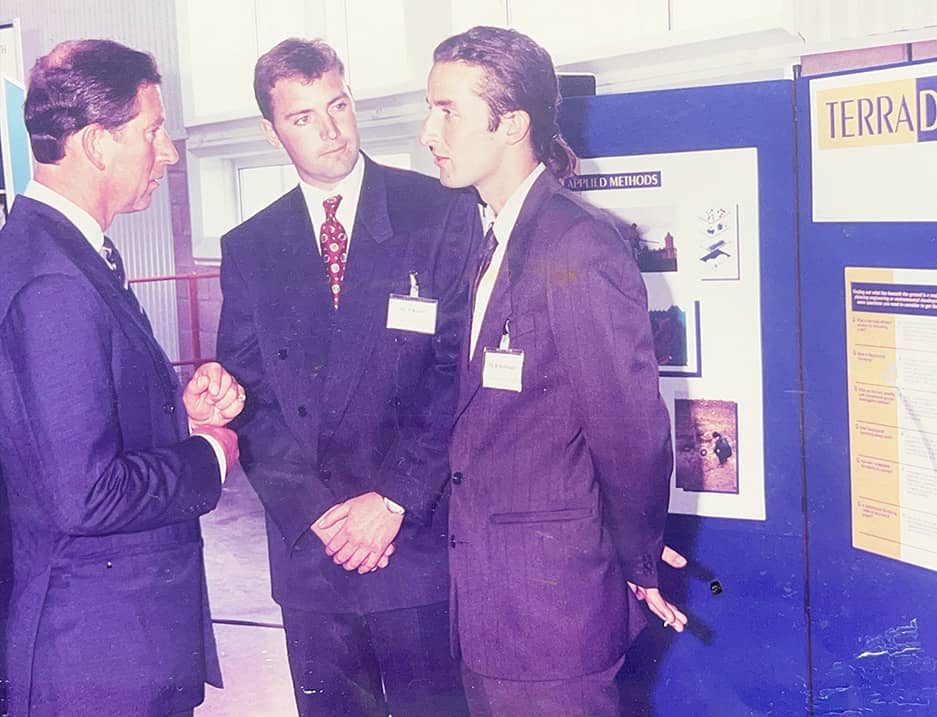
(247, 621)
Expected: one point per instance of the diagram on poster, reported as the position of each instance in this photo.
(692, 222)
(891, 359)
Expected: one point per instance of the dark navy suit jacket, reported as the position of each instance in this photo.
(109, 613)
(338, 405)
(563, 489)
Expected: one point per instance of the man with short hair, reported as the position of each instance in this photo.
(561, 451)
(109, 613)
(342, 315)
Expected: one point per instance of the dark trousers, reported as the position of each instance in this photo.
(594, 695)
(398, 661)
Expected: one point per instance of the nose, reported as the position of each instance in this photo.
(167, 153)
(329, 129)
(428, 131)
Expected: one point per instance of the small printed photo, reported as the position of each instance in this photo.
(670, 341)
(675, 326)
(652, 231)
(706, 435)
(718, 243)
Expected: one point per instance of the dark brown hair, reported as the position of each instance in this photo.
(519, 75)
(306, 60)
(79, 83)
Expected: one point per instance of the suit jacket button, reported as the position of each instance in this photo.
(394, 402)
(302, 411)
(452, 541)
(325, 474)
(457, 477)
(282, 354)
(169, 407)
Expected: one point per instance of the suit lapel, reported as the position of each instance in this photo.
(369, 277)
(500, 306)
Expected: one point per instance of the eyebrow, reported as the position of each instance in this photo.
(306, 110)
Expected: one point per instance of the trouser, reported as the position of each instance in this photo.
(347, 665)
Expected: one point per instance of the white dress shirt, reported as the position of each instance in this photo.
(90, 229)
(503, 227)
(349, 188)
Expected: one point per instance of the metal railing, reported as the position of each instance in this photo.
(191, 279)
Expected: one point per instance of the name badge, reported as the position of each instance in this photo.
(503, 369)
(408, 313)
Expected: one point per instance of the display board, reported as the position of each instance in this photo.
(868, 246)
(712, 168)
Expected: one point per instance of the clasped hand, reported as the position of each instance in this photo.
(359, 533)
(212, 396)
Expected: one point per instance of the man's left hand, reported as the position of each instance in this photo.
(212, 397)
(657, 603)
(367, 532)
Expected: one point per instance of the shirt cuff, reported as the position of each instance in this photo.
(219, 455)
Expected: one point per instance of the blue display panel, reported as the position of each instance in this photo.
(746, 652)
(873, 619)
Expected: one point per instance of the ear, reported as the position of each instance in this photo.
(270, 134)
(516, 126)
(94, 140)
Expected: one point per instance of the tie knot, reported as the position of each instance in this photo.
(331, 205)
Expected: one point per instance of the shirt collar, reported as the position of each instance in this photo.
(507, 217)
(349, 188)
(84, 222)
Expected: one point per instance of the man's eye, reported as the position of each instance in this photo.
(301, 120)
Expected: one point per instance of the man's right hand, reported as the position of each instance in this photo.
(227, 438)
(326, 535)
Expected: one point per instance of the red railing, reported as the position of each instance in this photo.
(191, 279)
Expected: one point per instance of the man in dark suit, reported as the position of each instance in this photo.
(342, 316)
(561, 450)
(109, 614)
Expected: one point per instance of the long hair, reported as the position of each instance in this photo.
(518, 75)
(83, 82)
(305, 60)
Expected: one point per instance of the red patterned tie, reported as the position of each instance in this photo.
(334, 243)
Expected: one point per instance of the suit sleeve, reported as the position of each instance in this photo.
(598, 314)
(63, 359)
(416, 468)
(270, 455)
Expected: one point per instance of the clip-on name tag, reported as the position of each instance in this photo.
(411, 313)
(503, 367)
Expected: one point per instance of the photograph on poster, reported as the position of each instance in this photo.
(652, 231)
(705, 443)
(717, 238)
(675, 325)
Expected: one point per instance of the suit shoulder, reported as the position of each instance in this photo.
(29, 252)
(263, 221)
(566, 213)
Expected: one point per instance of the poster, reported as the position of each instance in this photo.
(873, 145)
(692, 218)
(891, 337)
